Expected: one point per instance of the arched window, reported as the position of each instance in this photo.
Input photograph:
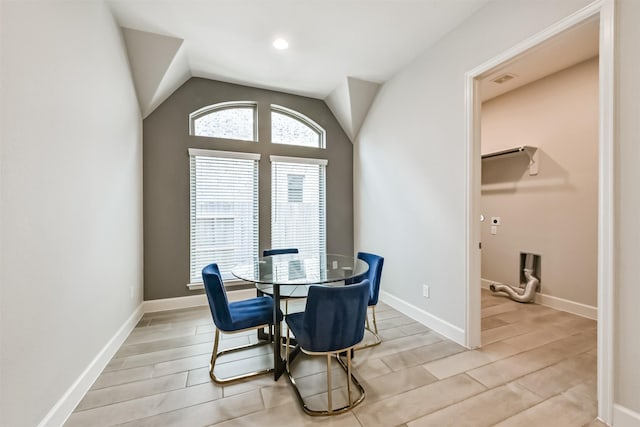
(231, 120)
(293, 128)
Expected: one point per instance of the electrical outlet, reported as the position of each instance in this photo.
(425, 291)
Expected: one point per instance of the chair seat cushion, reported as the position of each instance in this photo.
(250, 313)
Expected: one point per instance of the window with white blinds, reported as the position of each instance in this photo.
(224, 210)
(298, 218)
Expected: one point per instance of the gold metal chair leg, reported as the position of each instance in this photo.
(350, 378)
(374, 331)
(288, 347)
(349, 375)
(375, 325)
(329, 388)
(215, 355)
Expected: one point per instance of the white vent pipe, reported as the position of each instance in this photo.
(530, 288)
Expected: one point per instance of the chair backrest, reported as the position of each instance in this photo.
(217, 297)
(269, 252)
(334, 317)
(374, 275)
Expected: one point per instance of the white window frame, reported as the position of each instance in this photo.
(302, 119)
(195, 152)
(230, 105)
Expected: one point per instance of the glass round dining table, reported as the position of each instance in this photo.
(291, 275)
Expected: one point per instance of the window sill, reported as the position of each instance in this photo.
(237, 283)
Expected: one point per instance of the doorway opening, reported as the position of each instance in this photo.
(532, 158)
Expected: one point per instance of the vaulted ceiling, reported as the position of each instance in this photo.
(339, 50)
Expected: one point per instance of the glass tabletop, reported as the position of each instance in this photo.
(300, 269)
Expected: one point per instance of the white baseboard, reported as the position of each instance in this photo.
(561, 304)
(624, 417)
(199, 300)
(177, 303)
(441, 326)
(572, 307)
(58, 415)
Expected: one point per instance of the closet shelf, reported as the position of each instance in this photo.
(532, 152)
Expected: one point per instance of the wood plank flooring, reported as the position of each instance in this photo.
(537, 367)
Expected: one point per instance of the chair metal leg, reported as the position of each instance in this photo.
(215, 355)
(329, 388)
(349, 376)
(261, 334)
(350, 379)
(375, 325)
(374, 331)
(288, 347)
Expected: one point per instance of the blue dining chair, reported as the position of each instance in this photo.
(270, 252)
(332, 323)
(285, 296)
(373, 275)
(234, 317)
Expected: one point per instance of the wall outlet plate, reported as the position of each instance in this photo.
(425, 291)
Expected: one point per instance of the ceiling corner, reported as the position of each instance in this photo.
(350, 103)
(340, 105)
(158, 66)
(361, 96)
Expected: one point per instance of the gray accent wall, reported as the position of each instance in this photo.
(166, 176)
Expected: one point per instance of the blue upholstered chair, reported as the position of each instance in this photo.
(283, 291)
(270, 252)
(254, 313)
(332, 323)
(374, 274)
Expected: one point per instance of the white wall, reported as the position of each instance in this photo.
(410, 157)
(409, 167)
(70, 198)
(555, 213)
(627, 291)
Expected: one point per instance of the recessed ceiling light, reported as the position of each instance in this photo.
(280, 44)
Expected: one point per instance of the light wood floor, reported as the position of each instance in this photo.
(537, 367)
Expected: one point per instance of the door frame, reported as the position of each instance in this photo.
(606, 243)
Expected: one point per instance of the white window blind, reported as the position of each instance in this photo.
(224, 210)
(298, 218)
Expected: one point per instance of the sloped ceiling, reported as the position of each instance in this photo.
(158, 66)
(332, 43)
(350, 103)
